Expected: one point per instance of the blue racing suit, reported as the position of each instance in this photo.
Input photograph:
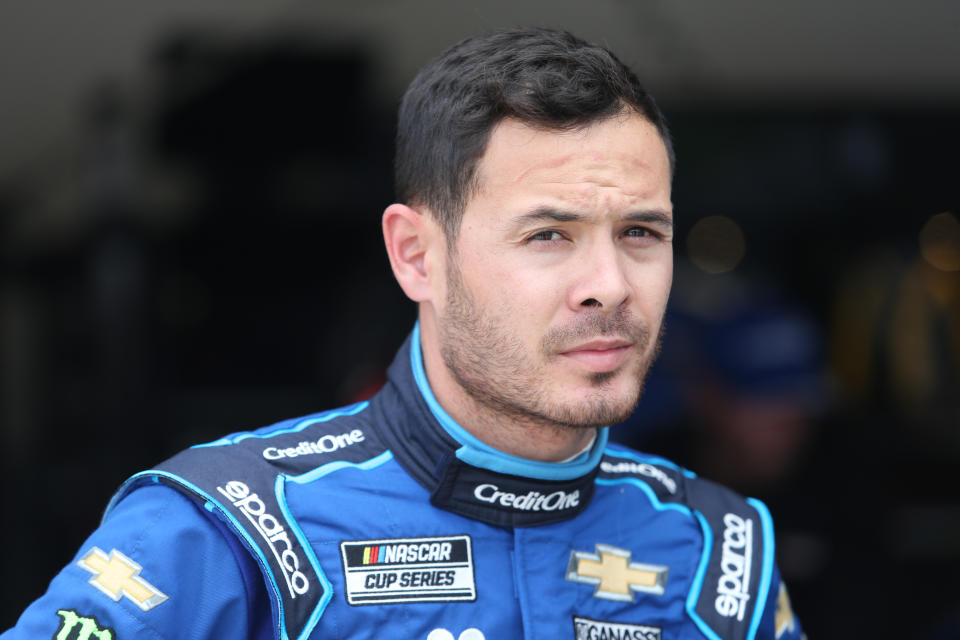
(386, 519)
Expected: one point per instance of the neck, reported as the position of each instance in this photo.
(517, 435)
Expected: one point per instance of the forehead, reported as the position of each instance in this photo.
(624, 152)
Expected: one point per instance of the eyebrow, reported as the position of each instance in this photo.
(541, 214)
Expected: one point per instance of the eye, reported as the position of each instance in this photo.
(547, 235)
(641, 236)
(639, 232)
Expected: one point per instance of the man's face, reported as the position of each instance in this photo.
(556, 284)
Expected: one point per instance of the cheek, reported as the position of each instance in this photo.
(652, 284)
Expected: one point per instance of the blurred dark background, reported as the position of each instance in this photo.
(190, 196)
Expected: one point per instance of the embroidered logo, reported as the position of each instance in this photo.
(733, 587)
(273, 533)
(117, 576)
(326, 444)
(641, 468)
(615, 577)
(86, 627)
(587, 629)
(408, 570)
(529, 501)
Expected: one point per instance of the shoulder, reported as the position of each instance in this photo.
(129, 576)
(736, 581)
(666, 482)
(240, 481)
(300, 443)
(256, 458)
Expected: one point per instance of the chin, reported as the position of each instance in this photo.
(596, 409)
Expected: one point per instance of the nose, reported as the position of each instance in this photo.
(601, 282)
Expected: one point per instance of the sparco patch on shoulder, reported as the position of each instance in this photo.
(408, 570)
(587, 629)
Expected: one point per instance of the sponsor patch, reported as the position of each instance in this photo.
(529, 501)
(733, 586)
(408, 570)
(74, 626)
(273, 533)
(588, 629)
(643, 469)
(117, 576)
(614, 575)
(326, 444)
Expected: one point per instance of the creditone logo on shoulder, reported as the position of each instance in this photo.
(530, 501)
(733, 587)
(408, 570)
(643, 469)
(272, 532)
(86, 627)
(587, 629)
(325, 444)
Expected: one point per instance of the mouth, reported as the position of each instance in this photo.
(600, 356)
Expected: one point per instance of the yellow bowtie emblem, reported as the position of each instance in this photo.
(615, 577)
(118, 576)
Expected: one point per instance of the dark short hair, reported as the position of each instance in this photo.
(542, 77)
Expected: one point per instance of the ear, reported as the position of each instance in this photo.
(409, 235)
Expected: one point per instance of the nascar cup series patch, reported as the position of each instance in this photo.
(408, 570)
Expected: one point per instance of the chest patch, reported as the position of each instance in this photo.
(408, 570)
(614, 575)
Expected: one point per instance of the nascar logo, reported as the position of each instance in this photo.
(396, 553)
(408, 570)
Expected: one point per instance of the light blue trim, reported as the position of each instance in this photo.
(623, 452)
(350, 410)
(265, 566)
(698, 579)
(330, 467)
(767, 576)
(475, 452)
(311, 556)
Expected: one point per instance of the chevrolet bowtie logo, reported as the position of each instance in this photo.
(118, 576)
(615, 577)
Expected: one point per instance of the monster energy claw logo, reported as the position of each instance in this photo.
(86, 628)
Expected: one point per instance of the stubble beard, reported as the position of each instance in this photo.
(489, 362)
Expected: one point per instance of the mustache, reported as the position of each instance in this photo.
(621, 325)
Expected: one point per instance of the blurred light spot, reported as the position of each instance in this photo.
(716, 244)
(940, 242)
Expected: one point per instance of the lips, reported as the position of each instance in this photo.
(601, 355)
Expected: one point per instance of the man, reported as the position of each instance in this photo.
(475, 496)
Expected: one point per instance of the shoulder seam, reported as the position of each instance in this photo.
(299, 424)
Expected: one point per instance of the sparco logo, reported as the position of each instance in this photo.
(271, 531)
(530, 501)
(643, 469)
(326, 444)
(733, 588)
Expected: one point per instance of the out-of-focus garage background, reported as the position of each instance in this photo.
(190, 197)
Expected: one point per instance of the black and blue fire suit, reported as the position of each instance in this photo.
(386, 519)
